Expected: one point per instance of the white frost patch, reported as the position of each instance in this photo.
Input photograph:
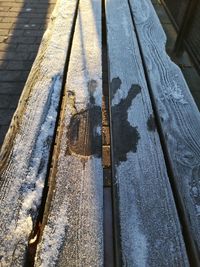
(195, 191)
(140, 247)
(120, 94)
(134, 241)
(36, 174)
(173, 91)
(176, 93)
(28, 9)
(53, 238)
(25, 225)
(31, 189)
(98, 91)
(75, 224)
(98, 130)
(132, 110)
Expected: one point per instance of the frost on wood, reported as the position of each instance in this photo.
(23, 170)
(178, 114)
(149, 228)
(73, 234)
(24, 195)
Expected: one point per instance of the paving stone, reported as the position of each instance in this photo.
(26, 26)
(21, 40)
(32, 32)
(183, 61)
(3, 65)
(10, 4)
(14, 20)
(193, 79)
(196, 96)
(8, 101)
(8, 14)
(4, 8)
(13, 76)
(3, 131)
(19, 65)
(106, 156)
(11, 55)
(2, 39)
(6, 116)
(171, 36)
(14, 88)
(4, 47)
(16, 32)
(6, 25)
(162, 13)
(4, 32)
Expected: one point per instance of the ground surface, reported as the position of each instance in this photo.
(22, 25)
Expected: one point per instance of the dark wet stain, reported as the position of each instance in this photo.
(82, 136)
(125, 137)
(114, 86)
(151, 125)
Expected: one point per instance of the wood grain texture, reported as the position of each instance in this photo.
(148, 222)
(24, 155)
(178, 114)
(73, 235)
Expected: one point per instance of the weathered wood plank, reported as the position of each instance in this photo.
(24, 155)
(73, 235)
(148, 222)
(178, 114)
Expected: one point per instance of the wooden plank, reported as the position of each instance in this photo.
(148, 223)
(178, 115)
(73, 235)
(24, 155)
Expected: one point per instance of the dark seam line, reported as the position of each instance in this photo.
(106, 93)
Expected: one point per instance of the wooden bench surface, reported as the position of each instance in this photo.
(178, 117)
(154, 126)
(25, 153)
(74, 230)
(148, 220)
